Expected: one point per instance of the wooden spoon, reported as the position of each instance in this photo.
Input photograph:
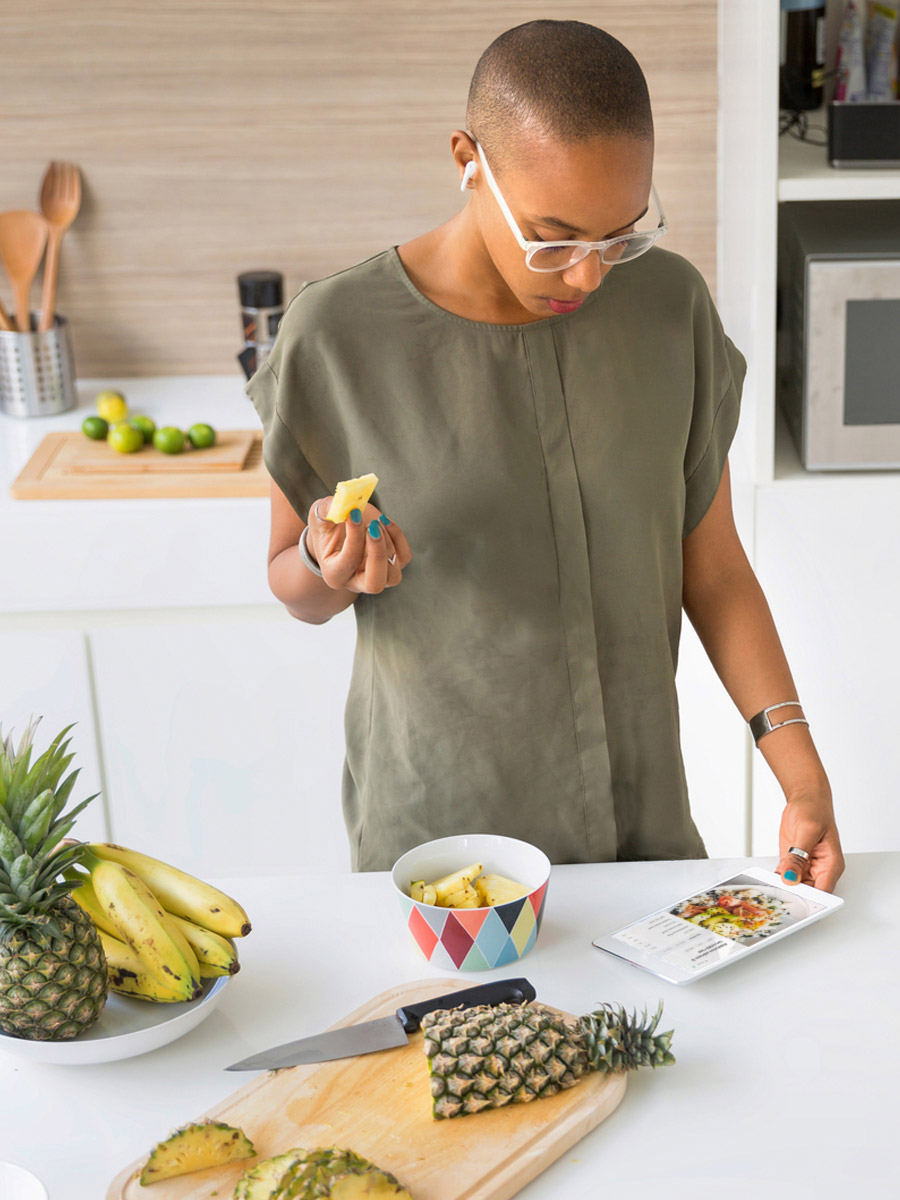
(60, 202)
(23, 236)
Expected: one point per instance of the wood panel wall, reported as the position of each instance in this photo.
(217, 136)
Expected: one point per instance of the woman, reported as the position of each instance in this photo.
(550, 426)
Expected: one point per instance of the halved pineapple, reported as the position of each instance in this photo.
(194, 1147)
(350, 494)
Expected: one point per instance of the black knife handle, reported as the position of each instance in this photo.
(504, 991)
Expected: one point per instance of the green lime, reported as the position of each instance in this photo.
(95, 427)
(169, 440)
(146, 425)
(202, 436)
(125, 438)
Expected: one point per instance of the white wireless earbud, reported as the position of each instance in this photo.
(471, 168)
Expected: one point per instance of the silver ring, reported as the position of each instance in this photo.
(392, 559)
(800, 853)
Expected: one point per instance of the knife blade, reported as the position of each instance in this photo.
(384, 1033)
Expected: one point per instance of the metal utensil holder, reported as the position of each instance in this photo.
(37, 375)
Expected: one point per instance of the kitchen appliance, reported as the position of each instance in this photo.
(838, 376)
(385, 1033)
(862, 134)
(380, 1105)
(37, 375)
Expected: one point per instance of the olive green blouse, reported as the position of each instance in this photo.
(521, 678)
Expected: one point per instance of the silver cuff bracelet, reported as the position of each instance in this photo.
(760, 725)
(308, 559)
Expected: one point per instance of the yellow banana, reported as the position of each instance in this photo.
(180, 893)
(177, 936)
(142, 924)
(215, 954)
(128, 975)
(85, 896)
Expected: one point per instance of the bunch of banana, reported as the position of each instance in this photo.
(163, 931)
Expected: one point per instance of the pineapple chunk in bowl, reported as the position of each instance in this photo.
(474, 938)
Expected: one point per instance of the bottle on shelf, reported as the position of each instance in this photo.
(802, 75)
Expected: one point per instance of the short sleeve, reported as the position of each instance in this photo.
(719, 369)
(282, 454)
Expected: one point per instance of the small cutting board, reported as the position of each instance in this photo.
(380, 1106)
(70, 466)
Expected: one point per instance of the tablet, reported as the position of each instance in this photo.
(718, 925)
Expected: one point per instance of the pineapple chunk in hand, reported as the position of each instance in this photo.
(350, 494)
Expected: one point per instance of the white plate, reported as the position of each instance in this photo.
(125, 1028)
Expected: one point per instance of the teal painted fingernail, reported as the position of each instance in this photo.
(355, 516)
(374, 529)
(791, 875)
(384, 520)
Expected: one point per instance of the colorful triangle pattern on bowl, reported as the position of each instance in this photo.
(476, 939)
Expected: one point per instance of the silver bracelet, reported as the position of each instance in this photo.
(760, 725)
(308, 559)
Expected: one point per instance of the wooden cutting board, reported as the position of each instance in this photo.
(70, 466)
(380, 1106)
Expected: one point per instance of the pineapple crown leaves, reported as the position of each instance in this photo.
(616, 1042)
(32, 825)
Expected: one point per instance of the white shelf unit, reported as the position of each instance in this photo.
(804, 173)
(824, 544)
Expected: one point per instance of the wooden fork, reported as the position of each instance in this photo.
(60, 202)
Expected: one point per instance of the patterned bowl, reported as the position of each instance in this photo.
(474, 939)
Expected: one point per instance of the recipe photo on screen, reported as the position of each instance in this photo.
(716, 925)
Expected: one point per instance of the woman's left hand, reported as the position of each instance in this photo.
(808, 823)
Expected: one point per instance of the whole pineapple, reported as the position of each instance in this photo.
(485, 1057)
(53, 980)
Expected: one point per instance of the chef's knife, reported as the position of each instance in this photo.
(384, 1033)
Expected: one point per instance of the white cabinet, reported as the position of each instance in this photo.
(223, 738)
(824, 545)
(45, 673)
(827, 559)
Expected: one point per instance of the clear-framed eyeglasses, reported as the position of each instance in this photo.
(558, 256)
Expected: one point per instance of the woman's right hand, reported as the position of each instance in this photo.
(366, 553)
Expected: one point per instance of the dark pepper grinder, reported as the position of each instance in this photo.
(262, 307)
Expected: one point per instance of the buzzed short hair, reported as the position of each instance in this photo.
(564, 79)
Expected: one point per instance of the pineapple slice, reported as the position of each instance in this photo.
(263, 1180)
(497, 889)
(310, 1174)
(456, 881)
(193, 1147)
(350, 494)
(466, 897)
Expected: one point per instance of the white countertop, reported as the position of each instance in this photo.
(112, 554)
(786, 1062)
